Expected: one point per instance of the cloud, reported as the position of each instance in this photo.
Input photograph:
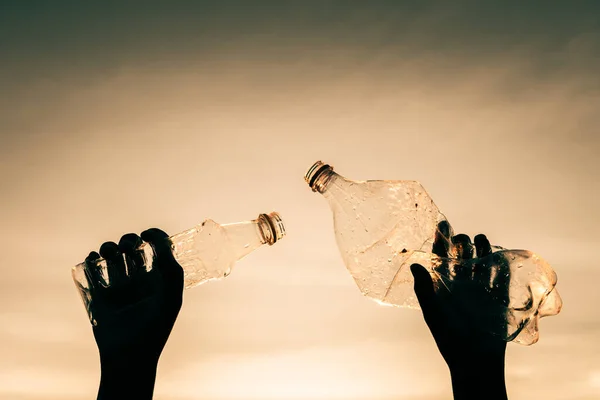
(173, 115)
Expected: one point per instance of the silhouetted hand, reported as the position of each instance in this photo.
(460, 314)
(134, 315)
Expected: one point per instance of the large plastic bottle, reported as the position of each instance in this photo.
(382, 227)
(205, 252)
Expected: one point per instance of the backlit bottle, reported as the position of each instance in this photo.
(383, 227)
(205, 252)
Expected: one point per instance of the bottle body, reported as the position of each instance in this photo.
(206, 252)
(209, 250)
(383, 227)
(380, 240)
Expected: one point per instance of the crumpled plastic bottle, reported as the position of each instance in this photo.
(206, 252)
(383, 227)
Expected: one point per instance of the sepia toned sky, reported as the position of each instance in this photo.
(121, 116)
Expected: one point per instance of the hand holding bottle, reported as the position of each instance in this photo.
(206, 252)
(135, 314)
(132, 292)
(383, 227)
(456, 309)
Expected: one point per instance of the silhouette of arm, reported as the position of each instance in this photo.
(475, 358)
(135, 314)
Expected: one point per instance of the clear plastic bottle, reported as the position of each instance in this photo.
(383, 227)
(205, 252)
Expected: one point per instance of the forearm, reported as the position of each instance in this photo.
(125, 380)
(484, 383)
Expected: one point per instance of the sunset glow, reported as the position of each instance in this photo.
(117, 119)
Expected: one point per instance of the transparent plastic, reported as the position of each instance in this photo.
(383, 227)
(206, 252)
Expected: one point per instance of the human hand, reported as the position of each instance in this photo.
(135, 314)
(465, 300)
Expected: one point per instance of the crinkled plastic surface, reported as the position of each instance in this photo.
(383, 227)
(206, 252)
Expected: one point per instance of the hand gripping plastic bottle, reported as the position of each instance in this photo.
(206, 252)
(383, 227)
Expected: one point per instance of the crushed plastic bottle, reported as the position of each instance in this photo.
(206, 252)
(383, 227)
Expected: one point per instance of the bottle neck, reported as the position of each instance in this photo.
(333, 186)
(321, 177)
(245, 237)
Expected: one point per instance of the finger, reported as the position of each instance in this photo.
(161, 244)
(159, 241)
(441, 242)
(130, 245)
(92, 271)
(464, 252)
(464, 247)
(483, 267)
(441, 248)
(165, 262)
(115, 264)
(423, 285)
(502, 277)
(482, 246)
(494, 275)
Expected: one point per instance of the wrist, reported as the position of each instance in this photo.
(485, 381)
(127, 379)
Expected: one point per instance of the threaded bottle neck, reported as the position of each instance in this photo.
(271, 227)
(319, 176)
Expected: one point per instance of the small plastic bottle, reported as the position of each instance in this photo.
(383, 227)
(205, 252)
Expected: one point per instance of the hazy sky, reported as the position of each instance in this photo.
(118, 117)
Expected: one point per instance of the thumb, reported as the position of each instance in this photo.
(423, 284)
(159, 241)
(161, 244)
(425, 292)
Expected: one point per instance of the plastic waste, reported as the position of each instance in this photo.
(205, 252)
(383, 227)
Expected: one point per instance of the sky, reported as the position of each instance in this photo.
(120, 116)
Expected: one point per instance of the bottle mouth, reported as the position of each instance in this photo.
(272, 227)
(318, 176)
